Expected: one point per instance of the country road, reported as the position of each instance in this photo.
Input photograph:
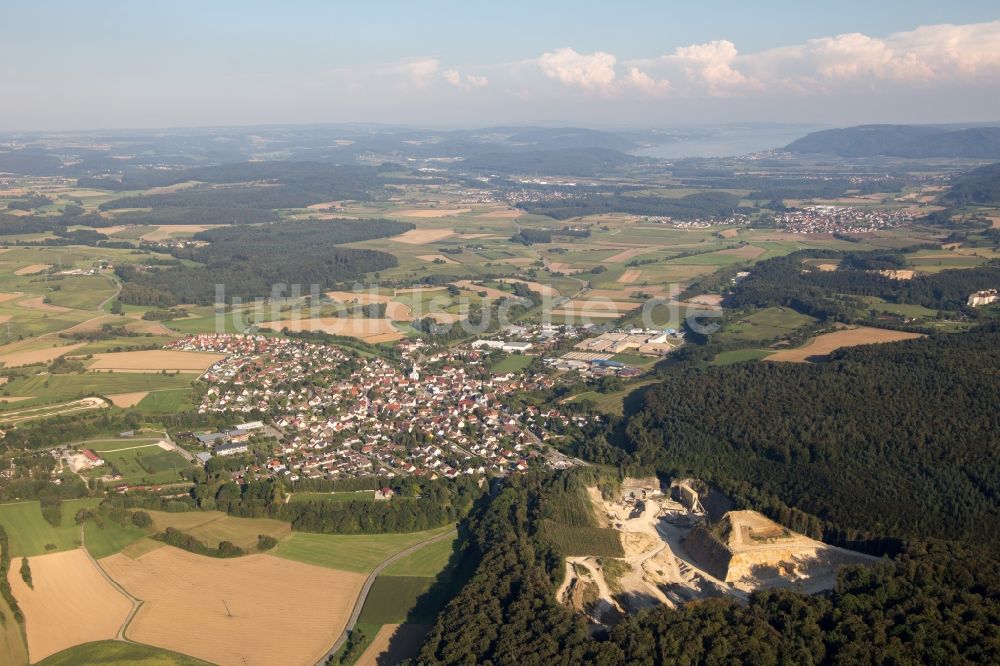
(366, 588)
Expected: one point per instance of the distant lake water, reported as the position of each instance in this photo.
(726, 141)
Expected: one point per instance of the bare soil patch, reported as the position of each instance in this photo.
(254, 610)
(899, 275)
(848, 337)
(127, 399)
(9, 296)
(827, 268)
(630, 276)
(71, 603)
(729, 233)
(45, 355)
(706, 299)
(32, 269)
(370, 330)
(422, 236)
(155, 360)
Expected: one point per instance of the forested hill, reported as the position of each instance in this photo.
(938, 603)
(248, 260)
(896, 439)
(979, 186)
(902, 141)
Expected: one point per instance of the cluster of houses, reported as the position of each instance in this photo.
(842, 219)
(432, 413)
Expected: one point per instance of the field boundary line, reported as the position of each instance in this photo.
(136, 601)
(366, 588)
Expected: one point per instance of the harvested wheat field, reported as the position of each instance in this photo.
(370, 330)
(359, 297)
(155, 360)
(253, 610)
(630, 276)
(127, 399)
(38, 303)
(422, 236)
(45, 355)
(166, 231)
(436, 257)
(91, 325)
(32, 269)
(397, 311)
(827, 268)
(430, 213)
(598, 305)
(729, 233)
(848, 337)
(562, 267)
(394, 643)
(71, 603)
(9, 296)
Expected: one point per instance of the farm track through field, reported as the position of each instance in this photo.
(366, 588)
(135, 601)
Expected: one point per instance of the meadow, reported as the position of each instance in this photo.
(359, 553)
(30, 534)
(119, 653)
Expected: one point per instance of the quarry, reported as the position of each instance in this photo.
(683, 542)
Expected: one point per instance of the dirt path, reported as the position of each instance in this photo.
(366, 588)
(136, 602)
(598, 577)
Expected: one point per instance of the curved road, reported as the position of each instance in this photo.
(366, 588)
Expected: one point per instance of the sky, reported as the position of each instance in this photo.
(116, 64)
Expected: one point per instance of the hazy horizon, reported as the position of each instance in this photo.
(101, 65)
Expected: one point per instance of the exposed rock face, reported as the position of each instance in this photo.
(709, 552)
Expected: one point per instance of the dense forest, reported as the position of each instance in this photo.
(902, 141)
(887, 440)
(250, 260)
(701, 204)
(979, 186)
(938, 602)
(828, 294)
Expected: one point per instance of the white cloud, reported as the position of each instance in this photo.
(468, 82)
(645, 83)
(710, 66)
(417, 71)
(594, 72)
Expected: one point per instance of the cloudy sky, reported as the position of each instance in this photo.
(103, 64)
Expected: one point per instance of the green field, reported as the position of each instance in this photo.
(360, 553)
(765, 324)
(166, 401)
(614, 402)
(121, 653)
(145, 463)
(110, 537)
(61, 388)
(512, 363)
(81, 292)
(740, 355)
(30, 533)
(363, 496)
(393, 599)
(428, 561)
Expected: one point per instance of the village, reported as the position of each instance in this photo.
(432, 414)
(842, 219)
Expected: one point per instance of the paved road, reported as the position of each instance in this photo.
(366, 588)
